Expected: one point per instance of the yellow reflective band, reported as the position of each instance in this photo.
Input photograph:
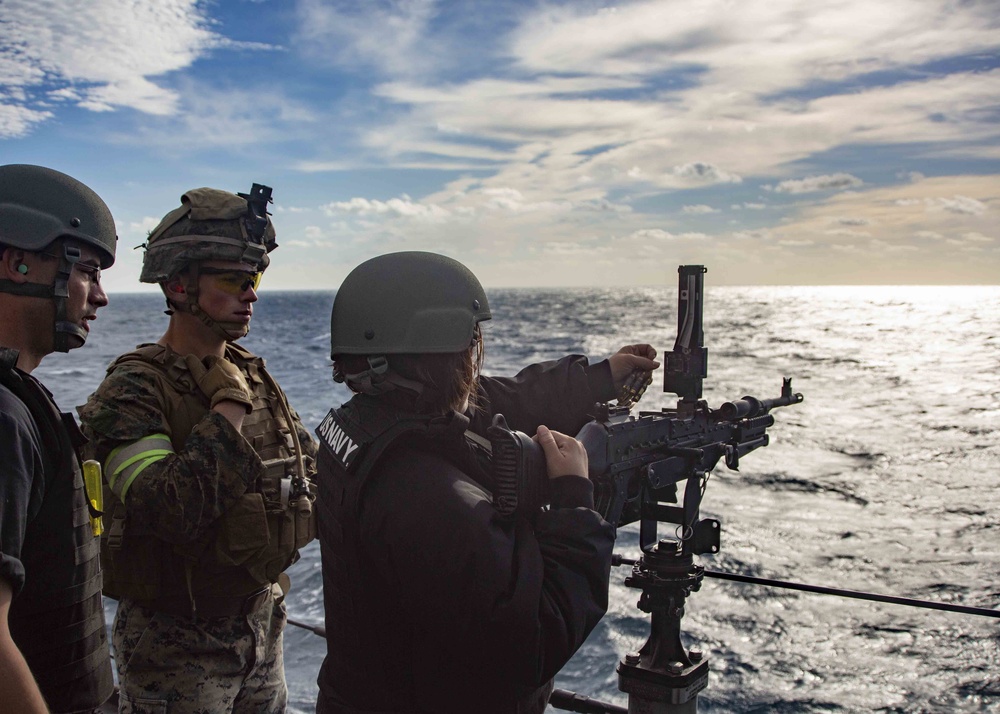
(127, 461)
(131, 475)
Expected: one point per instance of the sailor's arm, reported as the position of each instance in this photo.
(559, 393)
(17, 686)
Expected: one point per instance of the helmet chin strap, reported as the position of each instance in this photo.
(378, 379)
(230, 331)
(60, 291)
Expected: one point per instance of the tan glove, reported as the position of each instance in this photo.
(220, 381)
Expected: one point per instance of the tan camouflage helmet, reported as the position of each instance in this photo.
(211, 225)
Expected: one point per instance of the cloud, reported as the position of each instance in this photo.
(882, 247)
(462, 205)
(230, 118)
(547, 123)
(758, 234)
(511, 201)
(906, 221)
(959, 204)
(847, 233)
(830, 182)
(101, 55)
(733, 44)
(660, 235)
(700, 172)
(575, 249)
(570, 97)
(18, 120)
(386, 36)
(403, 207)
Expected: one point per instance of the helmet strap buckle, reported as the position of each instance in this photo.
(60, 292)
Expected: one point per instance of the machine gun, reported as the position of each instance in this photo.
(635, 463)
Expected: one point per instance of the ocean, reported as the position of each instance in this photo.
(885, 479)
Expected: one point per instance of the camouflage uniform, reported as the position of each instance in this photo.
(201, 519)
(179, 550)
(244, 671)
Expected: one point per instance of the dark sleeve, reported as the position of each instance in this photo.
(22, 484)
(514, 601)
(558, 394)
(180, 496)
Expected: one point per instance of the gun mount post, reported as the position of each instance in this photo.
(663, 677)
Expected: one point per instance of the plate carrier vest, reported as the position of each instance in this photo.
(253, 543)
(57, 620)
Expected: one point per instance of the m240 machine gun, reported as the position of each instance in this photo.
(636, 464)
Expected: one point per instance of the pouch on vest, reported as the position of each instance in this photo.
(126, 572)
(243, 532)
(305, 520)
(292, 525)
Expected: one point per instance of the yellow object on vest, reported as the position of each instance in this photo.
(95, 493)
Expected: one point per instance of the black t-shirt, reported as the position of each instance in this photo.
(22, 483)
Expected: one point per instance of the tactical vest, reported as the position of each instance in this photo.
(57, 620)
(353, 438)
(253, 543)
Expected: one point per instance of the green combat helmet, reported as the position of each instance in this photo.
(210, 224)
(39, 206)
(411, 302)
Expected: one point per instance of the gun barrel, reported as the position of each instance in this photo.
(751, 406)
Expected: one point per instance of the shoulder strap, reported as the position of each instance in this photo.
(162, 360)
(150, 353)
(244, 354)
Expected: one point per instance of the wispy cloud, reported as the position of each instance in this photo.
(100, 55)
(699, 209)
(831, 182)
(960, 204)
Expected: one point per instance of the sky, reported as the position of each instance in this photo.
(543, 144)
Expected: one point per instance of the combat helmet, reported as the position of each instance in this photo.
(412, 302)
(39, 206)
(210, 224)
